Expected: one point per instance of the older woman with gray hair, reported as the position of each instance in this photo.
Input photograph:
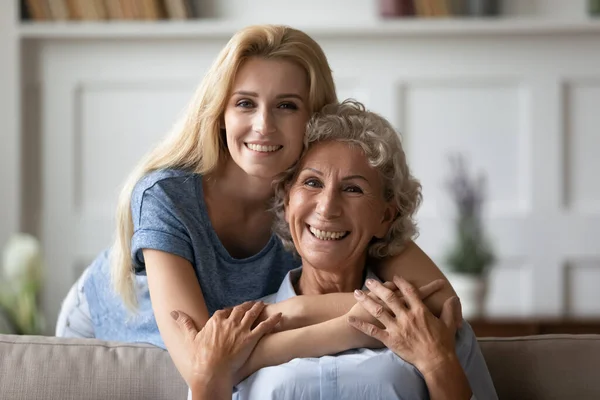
(349, 200)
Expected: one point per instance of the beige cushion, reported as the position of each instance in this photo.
(544, 366)
(34, 367)
(49, 368)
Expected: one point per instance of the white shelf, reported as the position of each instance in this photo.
(381, 28)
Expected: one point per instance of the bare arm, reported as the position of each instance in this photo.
(329, 337)
(173, 286)
(417, 268)
(412, 264)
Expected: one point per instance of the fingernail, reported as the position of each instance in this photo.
(369, 282)
(174, 315)
(351, 319)
(358, 293)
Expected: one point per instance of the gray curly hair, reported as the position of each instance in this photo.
(349, 122)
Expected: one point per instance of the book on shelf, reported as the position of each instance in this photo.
(99, 10)
(436, 8)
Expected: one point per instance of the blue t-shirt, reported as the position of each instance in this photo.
(169, 214)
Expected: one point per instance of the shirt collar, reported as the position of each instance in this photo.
(286, 289)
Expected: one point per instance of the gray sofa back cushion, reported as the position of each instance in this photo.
(544, 366)
(35, 367)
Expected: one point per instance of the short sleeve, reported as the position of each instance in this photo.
(158, 223)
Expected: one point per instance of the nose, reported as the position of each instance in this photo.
(328, 204)
(264, 123)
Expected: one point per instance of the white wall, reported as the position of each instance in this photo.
(522, 106)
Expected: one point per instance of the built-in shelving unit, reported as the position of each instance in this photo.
(223, 28)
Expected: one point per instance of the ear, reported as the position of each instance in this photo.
(389, 215)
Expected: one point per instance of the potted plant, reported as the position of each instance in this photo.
(20, 285)
(470, 255)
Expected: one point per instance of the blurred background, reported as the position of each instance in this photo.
(497, 103)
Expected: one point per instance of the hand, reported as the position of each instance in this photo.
(410, 329)
(226, 341)
(359, 312)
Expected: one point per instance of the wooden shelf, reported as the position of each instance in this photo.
(380, 28)
(507, 327)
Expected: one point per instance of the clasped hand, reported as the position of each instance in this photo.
(224, 344)
(405, 325)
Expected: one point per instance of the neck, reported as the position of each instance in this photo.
(336, 280)
(230, 183)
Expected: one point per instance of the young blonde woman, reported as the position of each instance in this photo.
(193, 227)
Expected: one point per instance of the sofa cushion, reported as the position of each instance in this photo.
(50, 368)
(36, 367)
(544, 366)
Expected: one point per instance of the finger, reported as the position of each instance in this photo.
(368, 329)
(409, 292)
(267, 325)
(239, 311)
(252, 314)
(388, 296)
(458, 313)
(224, 313)
(449, 313)
(185, 324)
(374, 308)
(431, 288)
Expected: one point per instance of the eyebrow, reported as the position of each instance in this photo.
(346, 178)
(279, 96)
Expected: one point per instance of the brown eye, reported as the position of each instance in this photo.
(288, 106)
(313, 182)
(353, 189)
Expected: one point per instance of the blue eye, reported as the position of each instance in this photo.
(244, 104)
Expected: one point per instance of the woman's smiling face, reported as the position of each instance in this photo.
(336, 206)
(265, 117)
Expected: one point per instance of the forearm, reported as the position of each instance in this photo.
(416, 267)
(329, 337)
(306, 310)
(447, 381)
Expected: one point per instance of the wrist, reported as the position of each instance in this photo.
(216, 384)
(438, 363)
(445, 378)
(211, 373)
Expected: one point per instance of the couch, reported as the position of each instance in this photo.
(50, 368)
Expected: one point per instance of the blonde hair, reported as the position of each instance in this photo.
(195, 142)
(350, 123)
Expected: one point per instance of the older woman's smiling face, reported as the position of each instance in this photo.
(336, 206)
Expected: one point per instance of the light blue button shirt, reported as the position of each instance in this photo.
(357, 374)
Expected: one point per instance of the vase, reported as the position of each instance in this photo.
(471, 290)
(6, 327)
(594, 7)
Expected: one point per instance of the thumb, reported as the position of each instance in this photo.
(185, 323)
(450, 313)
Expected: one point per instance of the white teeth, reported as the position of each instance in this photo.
(324, 235)
(261, 148)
